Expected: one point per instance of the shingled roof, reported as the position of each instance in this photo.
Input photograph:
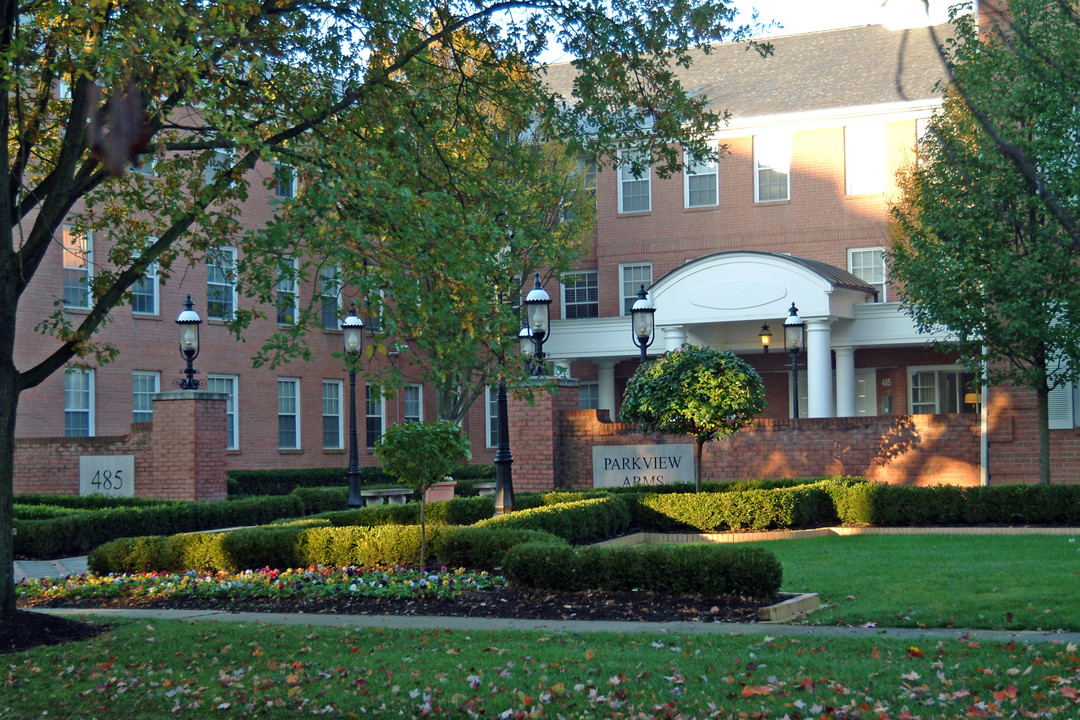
(816, 71)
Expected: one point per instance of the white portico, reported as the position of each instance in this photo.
(721, 300)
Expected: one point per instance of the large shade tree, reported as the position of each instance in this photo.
(201, 91)
(977, 250)
(696, 391)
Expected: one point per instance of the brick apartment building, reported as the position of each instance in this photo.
(795, 211)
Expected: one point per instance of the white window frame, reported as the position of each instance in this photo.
(594, 287)
(328, 412)
(141, 398)
(369, 416)
(880, 266)
(147, 285)
(588, 391)
(280, 191)
(772, 153)
(288, 287)
(146, 165)
(626, 298)
(219, 161)
(865, 170)
(288, 410)
(330, 274)
(85, 398)
(223, 261)
(694, 169)
(418, 412)
(937, 371)
(627, 180)
(232, 416)
(78, 259)
(491, 416)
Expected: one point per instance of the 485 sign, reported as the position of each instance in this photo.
(107, 475)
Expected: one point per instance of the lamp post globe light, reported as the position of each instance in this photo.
(189, 322)
(794, 343)
(643, 322)
(352, 334)
(537, 307)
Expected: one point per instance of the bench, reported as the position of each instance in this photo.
(485, 488)
(387, 496)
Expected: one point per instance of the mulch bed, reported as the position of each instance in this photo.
(27, 630)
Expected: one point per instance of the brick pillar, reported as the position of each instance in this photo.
(188, 447)
(536, 435)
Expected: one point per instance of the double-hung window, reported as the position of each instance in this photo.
(78, 403)
(588, 396)
(580, 295)
(227, 385)
(937, 390)
(284, 181)
(632, 278)
(635, 191)
(772, 164)
(144, 291)
(288, 403)
(868, 264)
(144, 385)
(330, 294)
(864, 159)
(221, 283)
(78, 258)
(376, 415)
(331, 415)
(218, 162)
(413, 401)
(287, 292)
(700, 182)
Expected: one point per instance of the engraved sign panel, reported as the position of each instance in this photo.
(628, 465)
(107, 475)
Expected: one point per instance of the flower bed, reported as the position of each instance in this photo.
(312, 582)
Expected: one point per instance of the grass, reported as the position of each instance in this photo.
(208, 669)
(974, 581)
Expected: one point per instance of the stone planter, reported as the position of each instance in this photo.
(441, 491)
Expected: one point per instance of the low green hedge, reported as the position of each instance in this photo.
(299, 545)
(90, 502)
(283, 482)
(42, 512)
(579, 522)
(76, 534)
(458, 511)
(678, 569)
(792, 507)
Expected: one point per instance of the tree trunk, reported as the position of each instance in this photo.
(699, 445)
(1043, 395)
(9, 399)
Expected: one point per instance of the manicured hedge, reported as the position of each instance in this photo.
(283, 482)
(90, 502)
(76, 534)
(794, 507)
(679, 569)
(580, 522)
(298, 545)
(459, 511)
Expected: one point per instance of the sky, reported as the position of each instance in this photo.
(799, 16)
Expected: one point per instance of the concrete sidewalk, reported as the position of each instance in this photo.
(472, 624)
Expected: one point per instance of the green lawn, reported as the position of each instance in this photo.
(211, 670)
(977, 581)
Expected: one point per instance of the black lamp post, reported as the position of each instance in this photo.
(643, 323)
(537, 306)
(794, 343)
(352, 331)
(766, 337)
(189, 322)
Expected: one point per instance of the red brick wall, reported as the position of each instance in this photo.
(179, 456)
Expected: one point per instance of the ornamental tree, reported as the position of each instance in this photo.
(420, 455)
(977, 250)
(349, 93)
(695, 391)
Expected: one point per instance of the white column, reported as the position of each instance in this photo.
(674, 337)
(845, 381)
(819, 391)
(606, 386)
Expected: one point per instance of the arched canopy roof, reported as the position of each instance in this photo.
(744, 285)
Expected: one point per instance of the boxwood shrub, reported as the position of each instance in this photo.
(793, 507)
(680, 569)
(580, 522)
